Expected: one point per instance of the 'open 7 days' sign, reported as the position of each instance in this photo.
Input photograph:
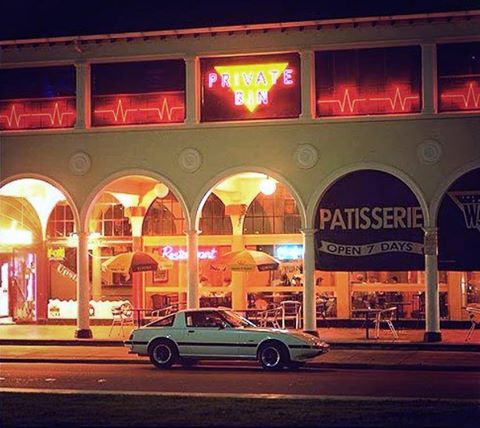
(250, 87)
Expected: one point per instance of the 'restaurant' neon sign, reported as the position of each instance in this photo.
(258, 87)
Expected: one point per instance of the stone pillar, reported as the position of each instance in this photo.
(429, 78)
(83, 288)
(192, 266)
(344, 294)
(309, 308)
(136, 215)
(96, 272)
(41, 286)
(238, 283)
(192, 92)
(307, 78)
(83, 94)
(455, 295)
(432, 304)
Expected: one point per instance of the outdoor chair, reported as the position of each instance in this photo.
(291, 310)
(474, 314)
(270, 316)
(122, 316)
(385, 316)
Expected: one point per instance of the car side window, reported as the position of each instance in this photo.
(164, 322)
(203, 319)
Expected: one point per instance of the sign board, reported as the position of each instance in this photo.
(459, 225)
(369, 220)
(56, 253)
(251, 87)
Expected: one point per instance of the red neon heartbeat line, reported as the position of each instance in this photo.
(397, 97)
(346, 101)
(121, 113)
(16, 118)
(471, 95)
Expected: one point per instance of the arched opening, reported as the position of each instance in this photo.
(251, 211)
(369, 246)
(458, 225)
(136, 214)
(36, 266)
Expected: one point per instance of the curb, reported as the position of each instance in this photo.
(420, 346)
(356, 366)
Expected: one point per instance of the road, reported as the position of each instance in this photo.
(242, 379)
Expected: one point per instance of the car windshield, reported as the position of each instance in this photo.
(236, 320)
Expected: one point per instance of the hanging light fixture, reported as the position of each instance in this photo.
(160, 190)
(268, 186)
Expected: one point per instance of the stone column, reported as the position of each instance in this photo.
(41, 286)
(83, 95)
(96, 272)
(309, 309)
(83, 288)
(238, 283)
(308, 88)
(429, 78)
(344, 294)
(192, 91)
(192, 266)
(432, 305)
(136, 215)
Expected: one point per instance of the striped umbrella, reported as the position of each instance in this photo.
(246, 261)
(136, 261)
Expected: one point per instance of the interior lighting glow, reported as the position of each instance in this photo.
(127, 199)
(268, 186)
(160, 190)
(14, 236)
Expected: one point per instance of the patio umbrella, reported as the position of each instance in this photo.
(246, 261)
(136, 261)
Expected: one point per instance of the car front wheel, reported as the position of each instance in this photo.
(163, 354)
(272, 356)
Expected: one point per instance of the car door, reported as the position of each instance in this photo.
(207, 335)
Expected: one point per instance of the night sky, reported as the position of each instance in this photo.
(20, 19)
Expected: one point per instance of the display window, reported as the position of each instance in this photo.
(37, 98)
(374, 81)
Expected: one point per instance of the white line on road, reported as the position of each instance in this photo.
(236, 395)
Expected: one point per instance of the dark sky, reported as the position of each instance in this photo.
(20, 19)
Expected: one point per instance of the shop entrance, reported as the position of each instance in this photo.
(4, 301)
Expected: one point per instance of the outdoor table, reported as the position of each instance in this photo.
(367, 312)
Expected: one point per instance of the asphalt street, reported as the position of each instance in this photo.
(217, 379)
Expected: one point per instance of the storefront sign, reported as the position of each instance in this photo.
(459, 225)
(369, 220)
(56, 253)
(289, 252)
(176, 253)
(253, 87)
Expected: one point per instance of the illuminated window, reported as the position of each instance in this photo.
(111, 219)
(213, 220)
(250, 87)
(37, 98)
(136, 93)
(459, 77)
(276, 213)
(368, 81)
(164, 218)
(60, 223)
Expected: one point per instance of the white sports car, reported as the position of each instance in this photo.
(194, 334)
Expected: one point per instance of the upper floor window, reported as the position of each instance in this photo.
(137, 93)
(37, 98)
(368, 81)
(276, 213)
(60, 223)
(213, 220)
(458, 76)
(164, 217)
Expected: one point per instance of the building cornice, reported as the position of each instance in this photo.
(280, 26)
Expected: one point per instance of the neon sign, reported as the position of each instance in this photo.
(134, 109)
(173, 253)
(368, 81)
(37, 113)
(256, 87)
(460, 98)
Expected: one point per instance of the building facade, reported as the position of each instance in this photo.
(162, 142)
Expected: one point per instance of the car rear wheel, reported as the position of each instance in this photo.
(163, 354)
(272, 356)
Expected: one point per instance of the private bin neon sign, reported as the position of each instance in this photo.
(251, 84)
